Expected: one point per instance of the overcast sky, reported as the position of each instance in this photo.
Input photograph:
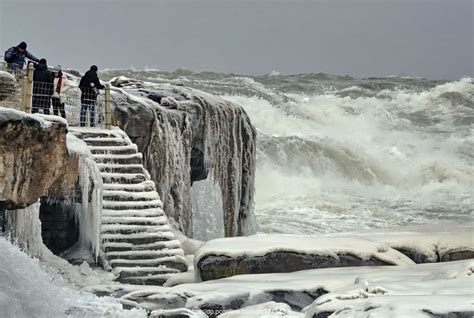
(430, 38)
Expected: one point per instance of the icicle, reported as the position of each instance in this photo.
(89, 211)
(24, 227)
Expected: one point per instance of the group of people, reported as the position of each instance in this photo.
(51, 87)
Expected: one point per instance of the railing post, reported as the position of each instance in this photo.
(27, 89)
(108, 113)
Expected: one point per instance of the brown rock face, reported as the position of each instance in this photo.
(34, 160)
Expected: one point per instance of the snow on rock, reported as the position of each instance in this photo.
(448, 289)
(185, 135)
(413, 306)
(34, 160)
(266, 310)
(274, 253)
(425, 244)
(300, 289)
(181, 313)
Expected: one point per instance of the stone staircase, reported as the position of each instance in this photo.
(136, 237)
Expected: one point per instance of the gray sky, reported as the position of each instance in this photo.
(430, 38)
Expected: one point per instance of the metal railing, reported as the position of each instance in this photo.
(79, 106)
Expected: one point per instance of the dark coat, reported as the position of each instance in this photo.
(42, 80)
(89, 85)
(16, 59)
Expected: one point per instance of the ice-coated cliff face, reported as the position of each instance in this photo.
(188, 138)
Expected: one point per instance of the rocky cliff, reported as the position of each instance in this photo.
(34, 160)
(189, 137)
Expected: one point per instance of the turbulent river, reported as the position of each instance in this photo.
(337, 153)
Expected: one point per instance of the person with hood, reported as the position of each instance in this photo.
(61, 86)
(89, 86)
(15, 56)
(42, 88)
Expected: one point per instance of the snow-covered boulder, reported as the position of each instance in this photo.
(446, 292)
(288, 253)
(34, 160)
(424, 244)
(304, 289)
(188, 136)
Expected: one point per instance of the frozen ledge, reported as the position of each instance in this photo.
(425, 244)
(319, 290)
(288, 253)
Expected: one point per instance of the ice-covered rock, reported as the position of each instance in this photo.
(424, 244)
(288, 253)
(300, 289)
(446, 292)
(34, 160)
(187, 136)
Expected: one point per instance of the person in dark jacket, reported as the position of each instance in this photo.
(89, 86)
(42, 87)
(15, 56)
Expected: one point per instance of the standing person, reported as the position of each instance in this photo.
(89, 87)
(60, 85)
(15, 56)
(42, 87)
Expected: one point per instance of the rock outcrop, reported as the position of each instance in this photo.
(288, 253)
(187, 136)
(424, 244)
(8, 87)
(34, 160)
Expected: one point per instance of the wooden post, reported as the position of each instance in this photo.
(27, 88)
(108, 113)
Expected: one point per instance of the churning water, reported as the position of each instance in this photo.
(341, 153)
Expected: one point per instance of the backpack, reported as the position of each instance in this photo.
(9, 55)
(9, 58)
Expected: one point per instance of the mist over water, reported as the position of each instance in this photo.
(341, 153)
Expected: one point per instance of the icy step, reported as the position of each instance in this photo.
(106, 142)
(90, 134)
(116, 195)
(137, 157)
(162, 220)
(156, 280)
(125, 272)
(111, 159)
(154, 212)
(123, 246)
(144, 254)
(115, 168)
(129, 229)
(124, 178)
(138, 238)
(177, 261)
(139, 187)
(129, 205)
(118, 150)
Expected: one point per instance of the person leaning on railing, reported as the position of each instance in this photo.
(89, 86)
(15, 56)
(42, 88)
